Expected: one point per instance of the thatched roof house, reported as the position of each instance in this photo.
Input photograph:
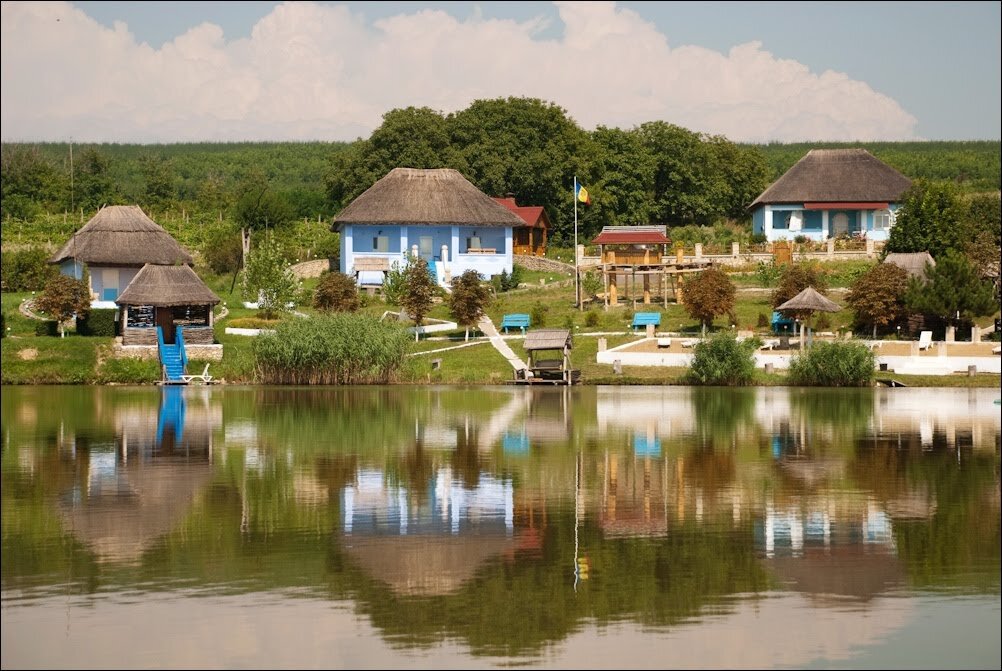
(435, 197)
(122, 235)
(913, 263)
(837, 176)
(163, 286)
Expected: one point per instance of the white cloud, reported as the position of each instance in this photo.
(320, 72)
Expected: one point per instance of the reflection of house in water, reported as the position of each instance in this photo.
(544, 418)
(952, 417)
(428, 542)
(139, 487)
(841, 547)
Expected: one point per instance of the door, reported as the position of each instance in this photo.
(840, 224)
(165, 320)
(426, 247)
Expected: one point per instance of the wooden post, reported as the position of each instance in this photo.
(647, 289)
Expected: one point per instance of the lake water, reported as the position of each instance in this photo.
(593, 527)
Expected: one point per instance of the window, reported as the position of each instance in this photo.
(381, 243)
(473, 242)
(882, 220)
(795, 220)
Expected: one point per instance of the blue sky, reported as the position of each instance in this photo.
(751, 71)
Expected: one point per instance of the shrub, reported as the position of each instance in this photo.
(768, 273)
(393, 283)
(25, 269)
(763, 321)
(99, 323)
(591, 318)
(833, 364)
(708, 294)
(538, 314)
(722, 360)
(341, 348)
(591, 284)
(63, 298)
(569, 322)
(336, 292)
(49, 327)
(223, 251)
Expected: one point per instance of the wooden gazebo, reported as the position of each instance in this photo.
(544, 367)
(166, 296)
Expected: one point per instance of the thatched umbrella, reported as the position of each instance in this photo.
(811, 301)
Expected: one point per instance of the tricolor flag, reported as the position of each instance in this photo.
(582, 194)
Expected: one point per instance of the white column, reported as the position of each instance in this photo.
(767, 223)
(403, 241)
(824, 224)
(346, 249)
(455, 242)
(509, 247)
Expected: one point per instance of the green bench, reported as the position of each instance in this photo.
(515, 321)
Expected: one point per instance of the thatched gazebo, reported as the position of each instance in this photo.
(437, 214)
(556, 370)
(113, 246)
(166, 296)
(808, 301)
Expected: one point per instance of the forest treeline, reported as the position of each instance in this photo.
(655, 172)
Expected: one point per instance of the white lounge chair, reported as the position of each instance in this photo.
(690, 342)
(925, 340)
(771, 343)
(664, 342)
(204, 377)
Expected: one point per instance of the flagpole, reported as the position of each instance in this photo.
(577, 290)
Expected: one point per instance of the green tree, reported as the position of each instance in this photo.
(469, 298)
(158, 177)
(419, 290)
(223, 250)
(29, 182)
(708, 294)
(952, 290)
(268, 278)
(796, 277)
(932, 218)
(259, 206)
(93, 186)
(63, 298)
(626, 166)
(878, 296)
(336, 292)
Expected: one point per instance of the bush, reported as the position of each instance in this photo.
(763, 321)
(835, 364)
(49, 327)
(336, 292)
(722, 360)
(538, 314)
(708, 294)
(591, 318)
(341, 348)
(768, 273)
(25, 270)
(393, 283)
(99, 323)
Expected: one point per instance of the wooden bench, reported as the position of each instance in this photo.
(520, 321)
(644, 319)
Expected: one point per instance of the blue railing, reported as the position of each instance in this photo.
(179, 340)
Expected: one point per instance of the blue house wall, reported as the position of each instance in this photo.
(859, 221)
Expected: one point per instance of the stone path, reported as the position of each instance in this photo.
(486, 326)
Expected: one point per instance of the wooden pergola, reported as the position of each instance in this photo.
(627, 253)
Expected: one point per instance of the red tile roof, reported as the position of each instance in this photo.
(533, 215)
(608, 237)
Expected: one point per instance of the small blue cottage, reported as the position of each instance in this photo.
(831, 193)
(435, 214)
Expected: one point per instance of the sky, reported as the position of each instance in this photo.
(162, 72)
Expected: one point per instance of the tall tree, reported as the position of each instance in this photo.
(267, 278)
(952, 291)
(419, 290)
(259, 206)
(158, 178)
(468, 300)
(708, 294)
(932, 218)
(93, 186)
(29, 182)
(878, 296)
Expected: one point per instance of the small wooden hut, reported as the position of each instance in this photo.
(166, 296)
(550, 357)
(113, 246)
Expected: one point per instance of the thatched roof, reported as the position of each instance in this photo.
(913, 263)
(547, 339)
(165, 286)
(122, 235)
(426, 197)
(837, 176)
(809, 299)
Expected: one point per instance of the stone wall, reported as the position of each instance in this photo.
(200, 352)
(139, 336)
(198, 335)
(313, 268)
(542, 264)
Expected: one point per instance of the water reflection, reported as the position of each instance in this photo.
(507, 519)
